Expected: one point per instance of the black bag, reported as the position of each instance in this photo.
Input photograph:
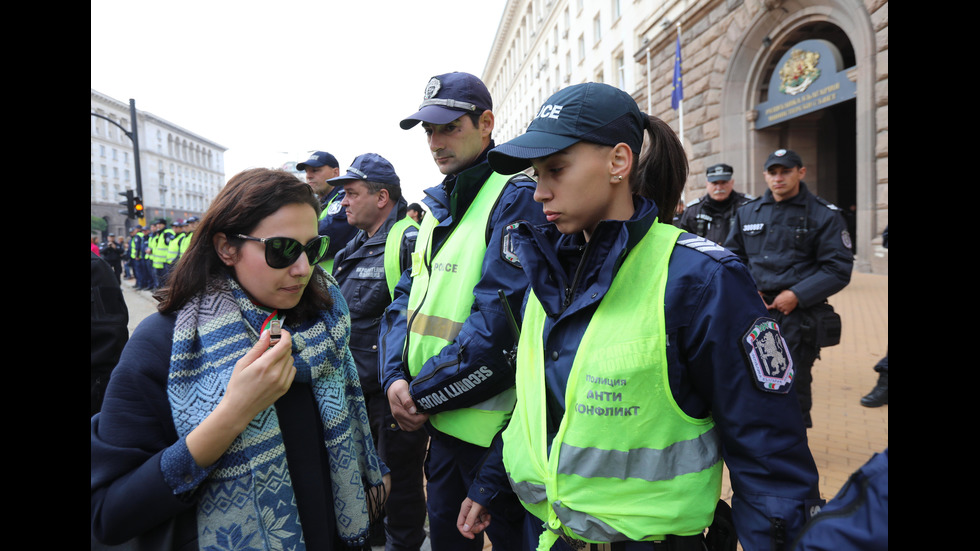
(721, 534)
(822, 326)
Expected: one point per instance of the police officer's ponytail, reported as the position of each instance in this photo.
(662, 170)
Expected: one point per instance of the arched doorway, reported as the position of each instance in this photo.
(837, 143)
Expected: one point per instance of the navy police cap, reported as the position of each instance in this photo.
(371, 167)
(783, 157)
(318, 159)
(447, 97)
(591, 112)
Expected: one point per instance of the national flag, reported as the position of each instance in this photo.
(677, 93)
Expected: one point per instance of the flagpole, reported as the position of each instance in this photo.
(680, 104)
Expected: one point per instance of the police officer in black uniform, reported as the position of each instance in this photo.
(710, 215)
(798, 250)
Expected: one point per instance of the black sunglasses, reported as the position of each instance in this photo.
(282, 252)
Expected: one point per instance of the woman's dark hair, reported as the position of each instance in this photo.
(661, 172)
(248, 198)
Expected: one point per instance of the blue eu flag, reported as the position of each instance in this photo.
(677, 94)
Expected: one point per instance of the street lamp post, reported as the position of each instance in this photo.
(134, 136)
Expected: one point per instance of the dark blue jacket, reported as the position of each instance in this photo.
(800, 244)
(334, 222)
(711, 303)
(857, 517)
(360, 272)
(486, 336)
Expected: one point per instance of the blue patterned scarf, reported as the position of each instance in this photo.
(247, 501)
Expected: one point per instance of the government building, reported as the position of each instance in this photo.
(180, 171)
(757, 75)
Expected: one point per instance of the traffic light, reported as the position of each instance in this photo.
(129, 203)
(138, 208)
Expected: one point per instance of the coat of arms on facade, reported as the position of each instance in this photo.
(799, 71)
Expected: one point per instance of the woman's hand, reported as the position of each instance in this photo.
(260, 378)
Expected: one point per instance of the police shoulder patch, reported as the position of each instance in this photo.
(335, 208)
(767, 356)
(507, 248)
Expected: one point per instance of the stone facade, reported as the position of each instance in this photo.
(729, 51)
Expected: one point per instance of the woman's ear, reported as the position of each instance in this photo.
(621, 161)
(226, 251)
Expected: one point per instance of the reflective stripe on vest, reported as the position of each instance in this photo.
(626, 463)
(393, 244)
(435, 318)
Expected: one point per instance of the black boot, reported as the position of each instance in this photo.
(879, 394)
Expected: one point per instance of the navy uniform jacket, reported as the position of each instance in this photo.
(710, 304)
(485, 336)
(800, 244)
(360, 272)
(708, 218)
(334, 222)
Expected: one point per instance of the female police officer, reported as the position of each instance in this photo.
(645, 357)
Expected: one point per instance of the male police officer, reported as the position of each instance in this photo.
(189, 226)
(798, 250)
(446, 336)
(710, 215)
(321, 167)
(159, 243)
(367, 270)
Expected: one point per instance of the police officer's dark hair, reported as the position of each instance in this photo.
(249, 197)
(661, 172)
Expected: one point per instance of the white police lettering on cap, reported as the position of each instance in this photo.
(549, 112)
(432, 88)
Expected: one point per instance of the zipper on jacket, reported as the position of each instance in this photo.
(570, 290)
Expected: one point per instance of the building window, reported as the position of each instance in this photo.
(581, 48)
(620, 65)
(616, 10)
(596, 30)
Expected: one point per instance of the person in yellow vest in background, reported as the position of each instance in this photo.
(189, 226)
(160, 246)
(645, 359)
(320, 168)
(173, 249)
(446, 336)
(367, 270)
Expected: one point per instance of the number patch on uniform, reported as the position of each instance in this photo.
(768, 356)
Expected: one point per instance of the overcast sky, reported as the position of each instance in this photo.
(273, 80)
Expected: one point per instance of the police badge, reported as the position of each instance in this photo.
(768, 356)
(432, 88)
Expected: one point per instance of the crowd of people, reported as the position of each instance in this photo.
(331, 367)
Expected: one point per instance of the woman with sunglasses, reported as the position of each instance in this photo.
(235, 418)
(646, 357)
